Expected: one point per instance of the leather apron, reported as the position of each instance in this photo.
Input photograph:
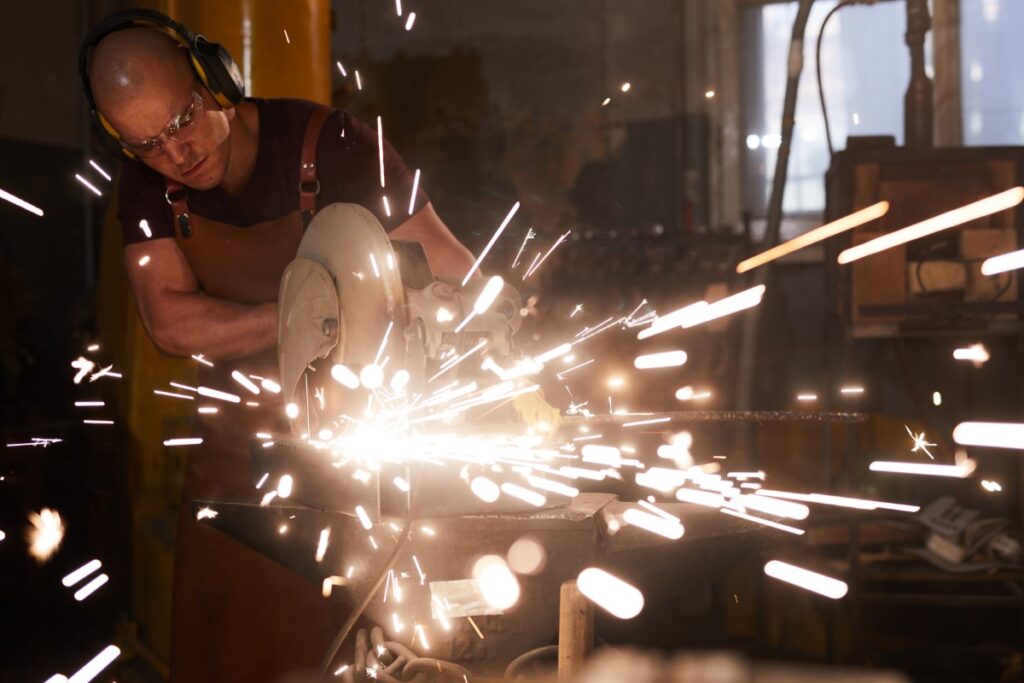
(237, 615)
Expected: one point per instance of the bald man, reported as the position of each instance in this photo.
(217, 194)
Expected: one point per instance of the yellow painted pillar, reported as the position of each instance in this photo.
(282, 48)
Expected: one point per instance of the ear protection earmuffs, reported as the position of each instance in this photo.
(212, 64)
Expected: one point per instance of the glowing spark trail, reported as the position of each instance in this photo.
(960, 471)
(245, 382)
(804, 578)
(359, 81)
(410, 21)
(610, 593)
(144, 227)
(321, 546)
(80, 573)
(220, 395)
(198, 357)
(665, 359)
(494, 238)
(84, 367)
(88, 185)
(832, 229)
(171, 394)
(653, 523)
(91, 587)
(183, 442)
(530, 234)
(990, 434)
(533, 268)
(1003, 263)
(415, 182)
(341, 68)
(206, 513)
(97, 664)
(286, 38)
(976, 353)
(758, 520)
(984, 207)
(20, 203)
(380, 149)
(99, 170)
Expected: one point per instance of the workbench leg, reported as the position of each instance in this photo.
(575, 630)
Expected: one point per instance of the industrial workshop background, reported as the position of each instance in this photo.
(650, 130)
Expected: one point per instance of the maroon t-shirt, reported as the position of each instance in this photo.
(348, 168)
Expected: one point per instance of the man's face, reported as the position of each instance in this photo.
(196, 157)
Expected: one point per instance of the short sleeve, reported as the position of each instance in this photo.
(140, 197)
(348, 157)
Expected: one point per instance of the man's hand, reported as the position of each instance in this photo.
(537, 413)
(182, 321)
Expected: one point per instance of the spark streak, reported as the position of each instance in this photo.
(976, 353)
(217, 394)
(610, 593)
(99, 170)
(494, 238)
(88, 185)
(80, 573)
(245, 382)
(1003, 263)
(97, 664)
(990, 434)
(960, 471)
(665, 359)
(758, 520)
(20, 203)
(537, 264)
(171, 394)
(832, 229)
(969, 212)
(380, 149)
(91, 587)
(415, 180)
(804, 578)
(410, 21)
(183, 442)
(653, 523)
(321, 546)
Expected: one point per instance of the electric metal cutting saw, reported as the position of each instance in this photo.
(358, 311)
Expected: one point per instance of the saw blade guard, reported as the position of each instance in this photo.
(341, 302)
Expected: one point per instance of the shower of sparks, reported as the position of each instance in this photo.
(990, 434)
(920, 443)
(494, 238)
(100, 170)
(96, 665)
(380, 150)
(91, 587)
(806, 579)
(85, 570)
(964, 214)
(537, 264)
(89, 185)
(1003, 263)
(410, 21)
(832, 229)
(45, 534)
(976, 353)
(415, 181)
(206, 513)
(20, 203)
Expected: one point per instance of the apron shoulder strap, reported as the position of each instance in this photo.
(177, 196)
(309, 184)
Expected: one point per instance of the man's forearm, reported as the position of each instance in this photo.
(221, 330)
